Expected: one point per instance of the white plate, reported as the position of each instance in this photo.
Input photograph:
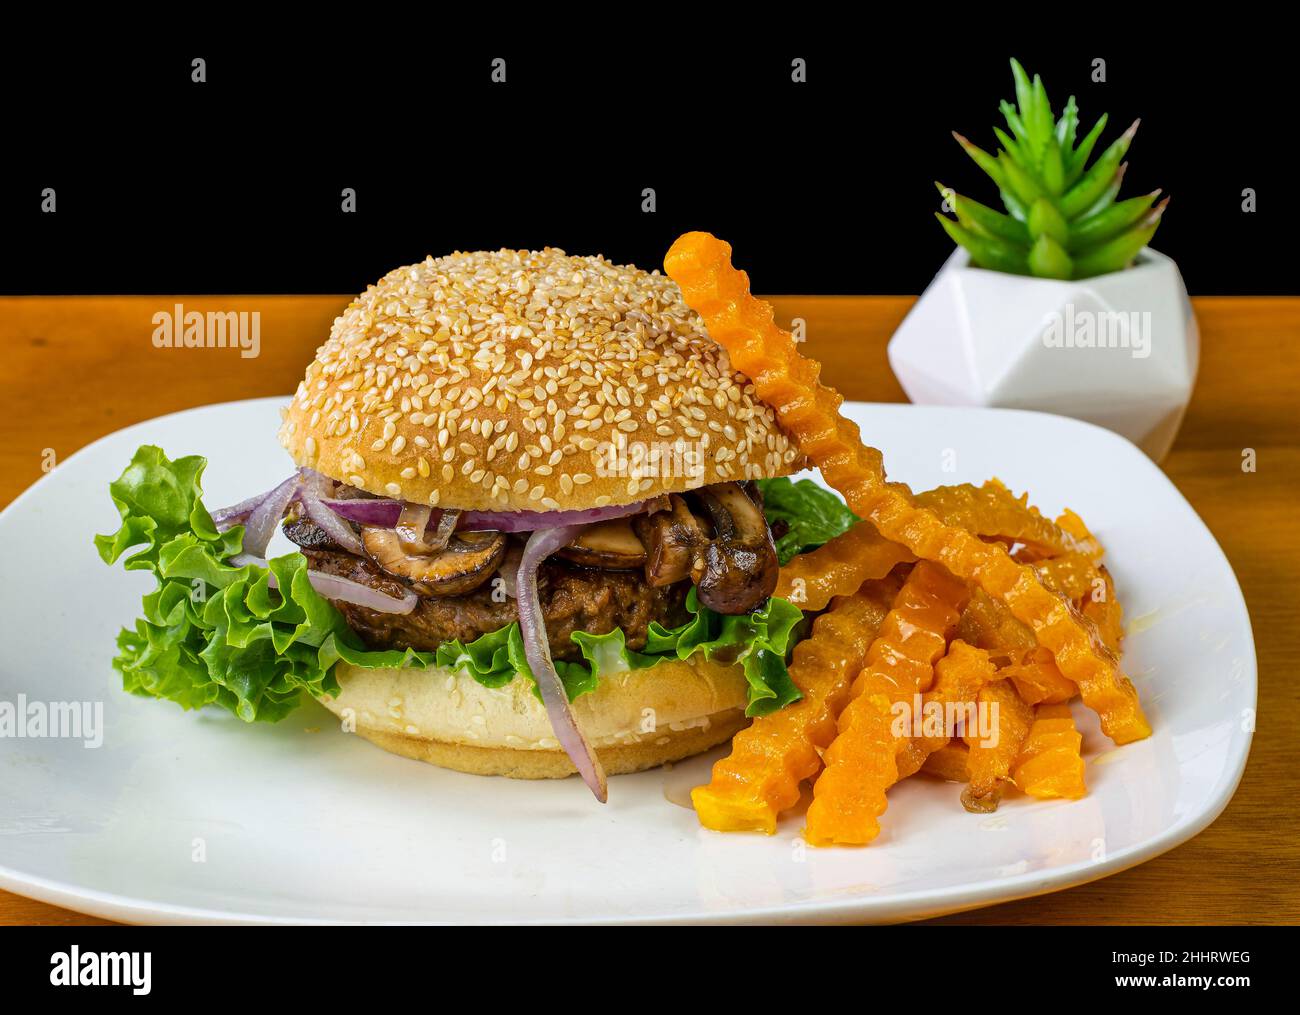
(299, 822)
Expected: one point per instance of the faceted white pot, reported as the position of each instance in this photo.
(1119, 350)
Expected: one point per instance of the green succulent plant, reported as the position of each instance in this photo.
(1062, 219)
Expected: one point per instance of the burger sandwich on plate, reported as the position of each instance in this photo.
(538, 517)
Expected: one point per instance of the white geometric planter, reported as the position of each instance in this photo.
(1119, 350)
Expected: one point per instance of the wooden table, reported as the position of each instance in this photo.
(79, 368)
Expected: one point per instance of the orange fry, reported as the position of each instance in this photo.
(987, 624)
(760, 778)
(958, 678)
(1049, 764)
(839, 567)
(1091, 589)
(949, 762)
(1104, 610)
(1073, 524)
(993, 511)
(861, 762)
(1072, 575)
(1038, 680)
(810, 412)
(990, 761)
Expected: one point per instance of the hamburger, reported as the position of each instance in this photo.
(529, 528)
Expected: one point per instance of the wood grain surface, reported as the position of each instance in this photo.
(79, 368)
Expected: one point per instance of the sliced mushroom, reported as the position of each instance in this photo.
(741, 568)
(469, 559)
(674, 541)
(304, 532)
(611, 545)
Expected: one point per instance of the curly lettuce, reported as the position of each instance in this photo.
(759, 642)
(253, 639)
(803, 515)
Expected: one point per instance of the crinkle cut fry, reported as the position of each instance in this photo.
(838, 567)
(1092, 590)
(1105, 611)
(958, 678)
(1074, 525)
(760, 778)
(1071, 575)
(1038, 680)
(701, 266)
(990, 762)
(1050, 763)
(861, 762)
(992, 510)
(949, 762)
(988, 624)
(841, 565)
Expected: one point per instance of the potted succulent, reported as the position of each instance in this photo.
(1056, 302)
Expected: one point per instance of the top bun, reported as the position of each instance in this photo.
(528, 381)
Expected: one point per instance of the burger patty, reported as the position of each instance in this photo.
(572, 598)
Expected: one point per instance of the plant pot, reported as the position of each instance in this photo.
(1119, 350)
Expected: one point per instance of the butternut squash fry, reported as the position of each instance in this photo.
(1050, 763)
(769, 759)
(849, 795)
(949, 762)
(810, 412)
(991, 760)
(839, 567)
(958, 678)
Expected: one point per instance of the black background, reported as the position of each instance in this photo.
(909, 953)
(233, 185)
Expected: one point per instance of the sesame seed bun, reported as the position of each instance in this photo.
(528, 381)
(451, 720)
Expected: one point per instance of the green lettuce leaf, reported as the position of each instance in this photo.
(809, 515)
(211, 633)
(758, 641)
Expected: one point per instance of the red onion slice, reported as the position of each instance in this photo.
(237, 514)
(537, 648)
(342, 590)
(367, 511)
(442, 532)
(411, 525)
(509, 570)
(319, 512)
(535, 521)
(266, 516)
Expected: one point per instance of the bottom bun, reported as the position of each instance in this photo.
(635, 719)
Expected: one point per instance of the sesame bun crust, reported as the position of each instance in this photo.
(528, 381)
(448, 719)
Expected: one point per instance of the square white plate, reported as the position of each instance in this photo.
(198, 817)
